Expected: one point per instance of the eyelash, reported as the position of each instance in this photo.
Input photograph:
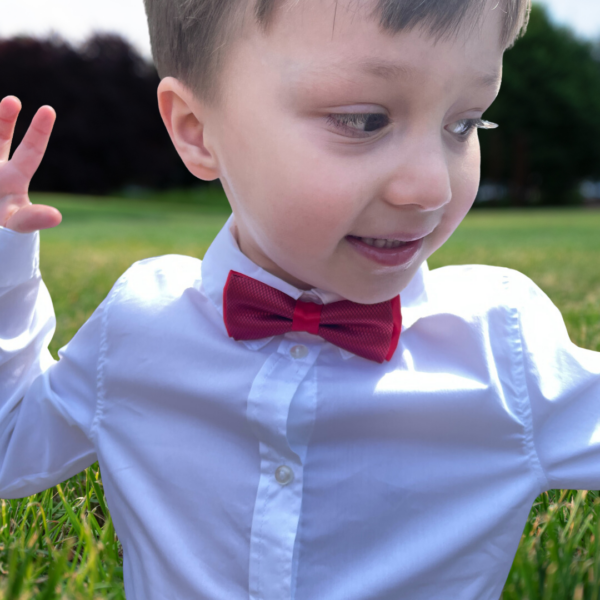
(342, 120)
(471, 125)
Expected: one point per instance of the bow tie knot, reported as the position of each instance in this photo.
(307, 317)
(254, 310)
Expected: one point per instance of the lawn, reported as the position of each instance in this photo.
(61, 543)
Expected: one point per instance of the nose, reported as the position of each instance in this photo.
(419, 175)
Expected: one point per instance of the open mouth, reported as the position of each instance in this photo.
(380, 243)
(386, 251)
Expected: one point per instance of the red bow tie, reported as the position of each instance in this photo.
(253, 310)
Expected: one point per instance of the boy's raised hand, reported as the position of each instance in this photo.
(16, 210)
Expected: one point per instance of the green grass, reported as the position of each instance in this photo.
(558, 249)
(61, 543)
(98, 240)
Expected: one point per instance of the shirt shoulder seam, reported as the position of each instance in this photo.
(102, 359)
(521, 390)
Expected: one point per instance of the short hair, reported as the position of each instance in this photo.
(189, 38)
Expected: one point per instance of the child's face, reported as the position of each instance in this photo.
(304, 190)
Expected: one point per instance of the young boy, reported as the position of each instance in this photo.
(307, 413)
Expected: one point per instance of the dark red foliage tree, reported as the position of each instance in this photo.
(109, 134)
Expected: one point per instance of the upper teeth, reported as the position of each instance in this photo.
(379, 243)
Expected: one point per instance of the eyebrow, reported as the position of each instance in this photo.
(384, 69)
(488, 79)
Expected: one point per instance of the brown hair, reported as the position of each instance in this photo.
(189, 37)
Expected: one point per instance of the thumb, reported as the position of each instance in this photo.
(33, 218)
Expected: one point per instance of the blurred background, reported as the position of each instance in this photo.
(92, 62)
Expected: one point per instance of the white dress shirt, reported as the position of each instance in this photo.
(286, 468)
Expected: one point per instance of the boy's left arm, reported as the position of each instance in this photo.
(563, 386)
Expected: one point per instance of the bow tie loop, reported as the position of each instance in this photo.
(254, 310)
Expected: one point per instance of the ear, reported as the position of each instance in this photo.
(184, 117)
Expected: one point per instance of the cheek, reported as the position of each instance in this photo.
(303, 217)
(296, 198)
(465, 171)
(465, 178)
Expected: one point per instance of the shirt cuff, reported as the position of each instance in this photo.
(19, 257)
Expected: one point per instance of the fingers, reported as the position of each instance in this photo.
(33, 218)
(10, 107)
(16, 212)
(29, 154)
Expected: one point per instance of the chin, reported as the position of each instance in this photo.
(380, 291)
(375, 297)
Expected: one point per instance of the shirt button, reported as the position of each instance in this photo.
(284, 475)
(299, 351)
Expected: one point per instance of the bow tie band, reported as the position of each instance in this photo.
(254, 310)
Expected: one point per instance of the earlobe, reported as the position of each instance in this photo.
(185, 117)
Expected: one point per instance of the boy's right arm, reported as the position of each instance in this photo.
(46, 408)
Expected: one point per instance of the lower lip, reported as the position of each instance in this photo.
(390, 257)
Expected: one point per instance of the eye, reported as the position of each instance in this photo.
(359, 123)
(464, 127)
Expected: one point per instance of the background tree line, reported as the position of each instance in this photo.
(109, 136)
(549, 115)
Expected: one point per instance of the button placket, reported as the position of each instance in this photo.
(279, 494)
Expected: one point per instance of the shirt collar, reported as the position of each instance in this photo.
(224, 255)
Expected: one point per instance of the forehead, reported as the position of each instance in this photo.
(345, 37)
(438, 16)
(442, 19)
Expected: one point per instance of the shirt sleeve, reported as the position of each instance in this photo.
(47, 408)
(563, 388)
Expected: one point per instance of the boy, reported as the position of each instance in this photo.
(307, 413)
